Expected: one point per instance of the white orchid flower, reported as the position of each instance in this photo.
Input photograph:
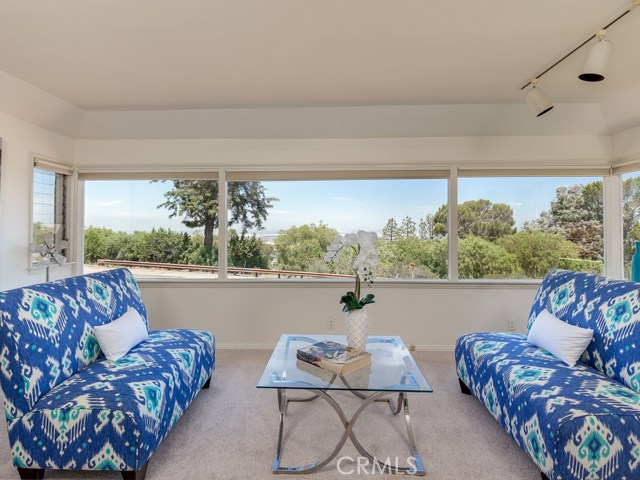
(366, 259)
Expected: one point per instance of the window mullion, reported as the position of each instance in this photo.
(612, 225)
(222, 225)
(452, 224)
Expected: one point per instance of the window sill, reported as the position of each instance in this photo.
(315, 283)
(37, 270)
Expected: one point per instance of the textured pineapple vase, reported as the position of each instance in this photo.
(357, 328)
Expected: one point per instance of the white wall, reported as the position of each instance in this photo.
(383, 121)
(21, 141)
(254, 314)
(626, 146)
(591, 150)
(23, 101)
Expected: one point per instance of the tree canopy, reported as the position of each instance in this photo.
(196, 202)
(538, 252)
(480, 258)
(303, 248)
(575, 214)
(630, 215)
(480, 218)
(391, 232)
(408, 227)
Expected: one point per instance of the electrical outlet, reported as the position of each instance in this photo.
(331, 323)
(511, 325)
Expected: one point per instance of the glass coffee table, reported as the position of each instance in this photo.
(392, 371)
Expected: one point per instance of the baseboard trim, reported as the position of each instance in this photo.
(435, 348)
(245, 346)
(271, 346)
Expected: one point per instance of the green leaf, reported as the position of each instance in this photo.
(368, 299)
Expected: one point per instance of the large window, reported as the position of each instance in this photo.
(50, 205)
(522, 227)
(156, 228)
(281, 229)
(279, 225)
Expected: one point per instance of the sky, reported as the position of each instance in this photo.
(345, 205)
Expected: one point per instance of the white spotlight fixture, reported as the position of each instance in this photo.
(594, 68)
(597, 61)
(537, 99)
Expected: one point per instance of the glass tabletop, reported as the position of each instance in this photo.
(392, 368)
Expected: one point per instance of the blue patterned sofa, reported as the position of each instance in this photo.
(66, 406)
(576, 423)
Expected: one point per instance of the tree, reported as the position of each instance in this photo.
(484, 219)
(248, 251)
(39, 231)
(303, 248)
(163, 246)
(576, 214)
(441, 222)
(391, 231)
(426, 227)
(630, 215)
(480, 258)
(196, 201)
(413, 258)
(539, 252)
(159, 245)
(95, 243)
(480, 218)
(408, 227)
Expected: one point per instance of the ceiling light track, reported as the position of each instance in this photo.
(599, 35)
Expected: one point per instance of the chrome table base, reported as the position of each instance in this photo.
(402, 404)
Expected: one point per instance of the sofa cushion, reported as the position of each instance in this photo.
(575, 422)
(46, 331)
(118, 337)
(611, 308)
(565, 341)
(114, 414)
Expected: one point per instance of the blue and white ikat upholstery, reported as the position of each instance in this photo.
(67, 407)
(576, 423)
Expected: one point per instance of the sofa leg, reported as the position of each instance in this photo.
(207, 384)
(135, 474)
(31, 473)
(543, 476)
(464, 389)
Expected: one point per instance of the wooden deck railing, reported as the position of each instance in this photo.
(256, 272)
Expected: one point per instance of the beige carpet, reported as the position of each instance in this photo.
(229, 431)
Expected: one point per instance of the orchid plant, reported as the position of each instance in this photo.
(363, 245)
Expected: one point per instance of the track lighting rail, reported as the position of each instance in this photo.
(634, 4)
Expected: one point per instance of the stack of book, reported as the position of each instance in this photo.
(334, 357)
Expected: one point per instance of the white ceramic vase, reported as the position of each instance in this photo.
(357, 329)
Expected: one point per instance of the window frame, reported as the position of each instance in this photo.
(40, 162)
(451, 173)
(114, 174)
(501, 172)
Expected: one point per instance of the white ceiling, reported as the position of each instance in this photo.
(163, 54)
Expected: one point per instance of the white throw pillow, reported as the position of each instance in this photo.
(118, 337)
(567, 342)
